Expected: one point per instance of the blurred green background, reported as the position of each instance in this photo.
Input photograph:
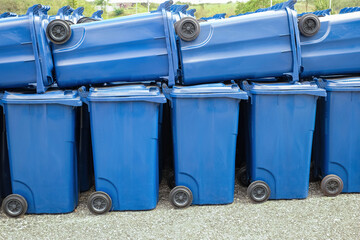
(203, 10)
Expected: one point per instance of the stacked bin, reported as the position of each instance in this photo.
(25, 57)
(124, 129)
(42, 152)
(204, 126)
(338, 140)
(281, 122)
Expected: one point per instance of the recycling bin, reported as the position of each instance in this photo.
(249, 46)
(25, 57)
(281, 123)
(205, 126)
(42, 152)
(5, 183)
(134, 48)
(124, 129)
(333, 50)
(85, 166)
(337, 162)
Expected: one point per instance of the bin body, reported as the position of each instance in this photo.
(205, 126)
(124, 129)
(282, 120)
(42, 149)
(339, 136)
(5, 181)
(335, 49)
(131, 48)
(25, 57)
(249, 46)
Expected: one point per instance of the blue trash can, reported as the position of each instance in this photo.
(282, 119)
(5, 183)
(205, 126)
(337, 161)
(132, 49)
(25, 57)
(250, 46)
(124, 130)
(42, 152)
(335, 49)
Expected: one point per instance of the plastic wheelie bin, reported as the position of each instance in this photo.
(205, 126)
(124, 130)
(281, 118)
(134, 48)
(42, 152)
(250, 46)
(25, 58)
(338, 141)
(335, 47)
(5, 183)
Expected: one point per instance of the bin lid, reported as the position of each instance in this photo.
(68, 97)
(132, 92)
(309, 88)
(209, 90)
(341, 84)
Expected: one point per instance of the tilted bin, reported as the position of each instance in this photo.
(205, 126)
(282, 119)
(25, 57)
(124, 130)
(338, 161)
(250, 46)
(134, 48)
(42, 152)
(334, 49)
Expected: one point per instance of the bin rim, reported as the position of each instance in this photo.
(339, 84)
(67, 97)
(129, 92)
(219, 90)
(281, 88)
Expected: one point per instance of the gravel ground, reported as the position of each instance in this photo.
(317, 217)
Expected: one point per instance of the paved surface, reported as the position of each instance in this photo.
(317, 217)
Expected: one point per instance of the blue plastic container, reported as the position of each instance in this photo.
(281, 122)
(42, 149)
(25, 57)
(133, 48)
(249, 46)
(335, 49)
(205, 126)
(5, 182)
(124, 129)
(339, 136)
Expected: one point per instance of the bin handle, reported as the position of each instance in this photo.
(166, 91)
(83, 95)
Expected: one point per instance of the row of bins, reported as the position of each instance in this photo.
(175, 47)
(125, 124)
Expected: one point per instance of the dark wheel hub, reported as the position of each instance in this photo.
(181, 197)
(14, 206)
(58, 31)
(99, 203)
(332, 186)
(259, 192)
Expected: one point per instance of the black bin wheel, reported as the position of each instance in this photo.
(99, 203)
(58, 31)
(14, 205)
(332, 185)
(188, 29)
(258, 191)
(309, 25)
(171, 180)
(242, 177)
(69, 22)
(181, 197)
(86, 20)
